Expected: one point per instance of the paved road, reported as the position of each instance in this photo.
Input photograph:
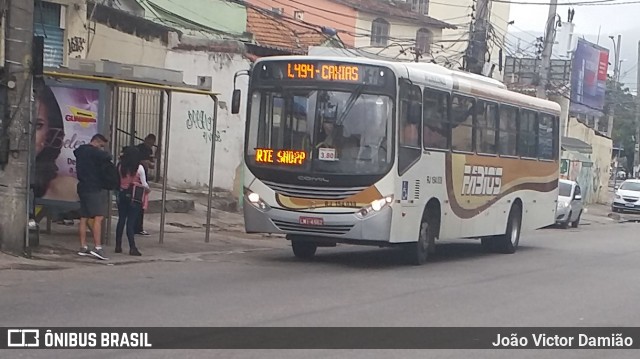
(576, 277)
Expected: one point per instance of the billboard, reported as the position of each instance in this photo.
(589, 77)
(68, 115)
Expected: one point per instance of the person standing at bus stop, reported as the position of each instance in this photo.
(94, 203)
(134, 190)
(146, 157)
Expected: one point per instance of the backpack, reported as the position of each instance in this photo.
(110, 176)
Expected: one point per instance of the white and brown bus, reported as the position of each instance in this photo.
(360, 151)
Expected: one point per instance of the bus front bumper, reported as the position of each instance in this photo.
(346, 227)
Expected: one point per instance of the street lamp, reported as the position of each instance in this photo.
(617, 63)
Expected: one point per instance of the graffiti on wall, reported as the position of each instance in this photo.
(76, 44)
(199, 120)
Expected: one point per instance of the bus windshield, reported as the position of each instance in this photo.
(321, 131)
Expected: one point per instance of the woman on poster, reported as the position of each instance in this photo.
(49, 139)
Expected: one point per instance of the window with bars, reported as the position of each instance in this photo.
(423, 40)
(420, 6)
(379, 32)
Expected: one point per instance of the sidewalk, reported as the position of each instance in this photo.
(184, 240)
(597, 214)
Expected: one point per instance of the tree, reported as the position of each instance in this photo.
(622, 102)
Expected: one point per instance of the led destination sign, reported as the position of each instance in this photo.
(348, 73)
(325, 72)
(282, 157)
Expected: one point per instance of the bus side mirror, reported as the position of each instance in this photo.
(235, 101)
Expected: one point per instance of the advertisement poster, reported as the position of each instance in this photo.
(589, 77)
(67, 117)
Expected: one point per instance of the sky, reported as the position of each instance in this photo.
(612, 18)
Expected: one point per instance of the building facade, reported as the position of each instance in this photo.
(392, 30)
(62, 24)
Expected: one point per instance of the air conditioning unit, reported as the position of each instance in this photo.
(205, 82)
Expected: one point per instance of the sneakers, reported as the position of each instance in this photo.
(143, 233)
(84, 251)
(118, 250)
(135, 252)
(99, 253)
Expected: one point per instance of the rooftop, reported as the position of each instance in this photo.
(282, 34)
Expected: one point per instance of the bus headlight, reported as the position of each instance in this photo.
(375, 206)
(257, 202)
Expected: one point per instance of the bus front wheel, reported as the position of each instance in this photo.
(419, 251)
(303, 249)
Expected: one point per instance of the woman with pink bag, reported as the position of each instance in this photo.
(132, 197)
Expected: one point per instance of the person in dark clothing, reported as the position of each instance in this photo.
(146, 159)
(93, 199)
(132, 176)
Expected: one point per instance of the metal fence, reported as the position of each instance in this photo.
(138, 113)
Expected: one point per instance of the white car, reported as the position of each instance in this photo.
(627, 197)
(570, 204)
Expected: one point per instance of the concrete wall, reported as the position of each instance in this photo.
(117, 46)
(191, 130)
(398, 29)
(597, 178)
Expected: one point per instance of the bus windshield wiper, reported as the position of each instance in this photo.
(352, 100)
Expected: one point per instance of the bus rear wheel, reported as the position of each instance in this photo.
(508, 242)
(303, 249)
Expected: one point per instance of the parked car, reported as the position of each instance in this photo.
(570, 204)
(627, 197)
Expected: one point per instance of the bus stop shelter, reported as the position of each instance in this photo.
(121, 117)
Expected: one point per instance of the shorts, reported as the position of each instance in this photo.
(93, 204)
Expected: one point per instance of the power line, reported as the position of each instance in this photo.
(577, 3)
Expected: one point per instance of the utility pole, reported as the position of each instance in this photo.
(636, 159)
(616, 66)
(477, 48)
(549, 38)
(15, 127)
(616, 79)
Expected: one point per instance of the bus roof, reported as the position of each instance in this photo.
(437, 76)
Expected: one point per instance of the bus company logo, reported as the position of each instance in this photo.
(481, 181)
(83, 117)
(313, 179)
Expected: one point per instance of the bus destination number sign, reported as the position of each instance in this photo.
(282, 157)
(324, 72)
(306, 71)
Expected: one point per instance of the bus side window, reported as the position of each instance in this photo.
(508, 130)
(436, 119)
(486, 127)
(462, 114)
(528, 134)
(410, 127)
(546, 132)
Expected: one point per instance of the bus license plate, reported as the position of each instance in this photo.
(311, 221)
